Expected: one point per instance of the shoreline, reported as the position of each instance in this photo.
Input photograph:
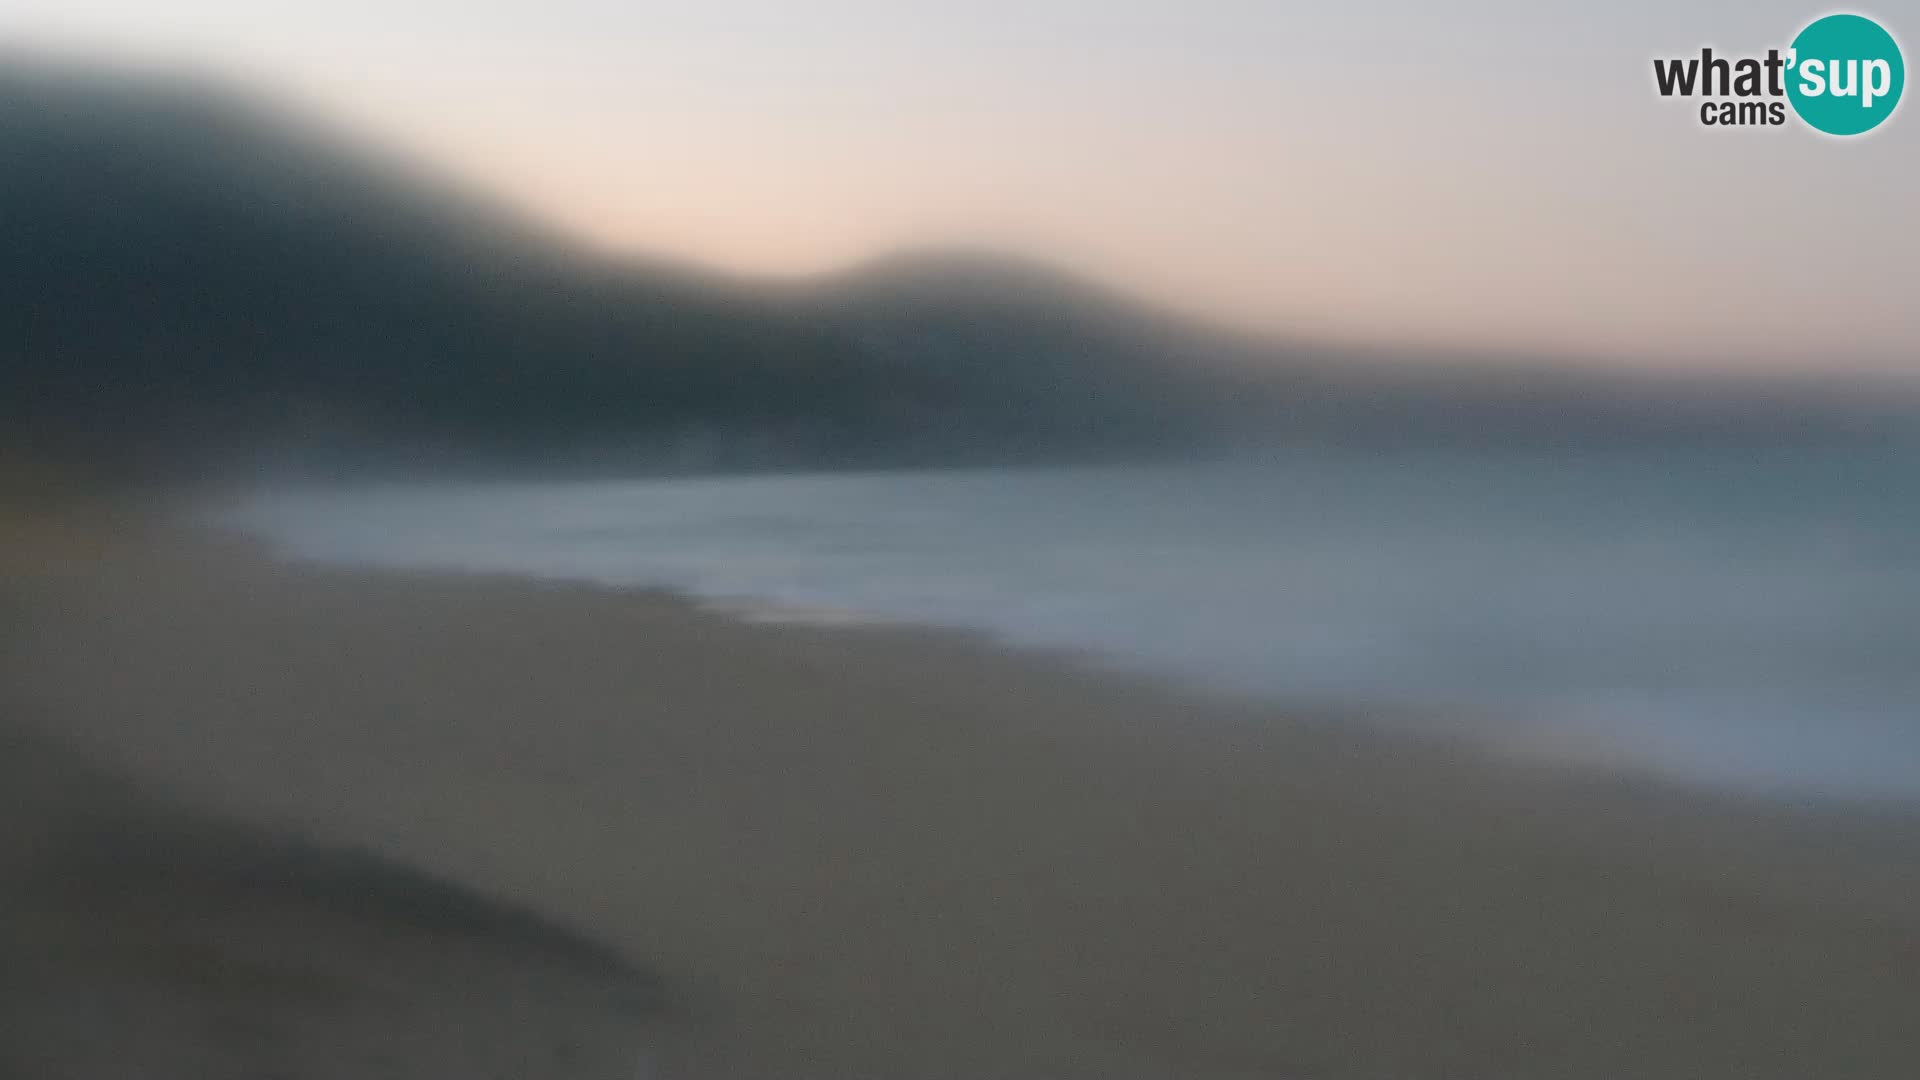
(1541, 640)
(893, 852)
(1502, 741)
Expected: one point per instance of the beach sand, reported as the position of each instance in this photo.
(874, 854)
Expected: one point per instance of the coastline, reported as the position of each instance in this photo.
(895, 853)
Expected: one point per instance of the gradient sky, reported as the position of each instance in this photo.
(1496, 174)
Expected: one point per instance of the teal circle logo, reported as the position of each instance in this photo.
(1845, 74)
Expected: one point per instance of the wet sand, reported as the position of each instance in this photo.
(852, 854)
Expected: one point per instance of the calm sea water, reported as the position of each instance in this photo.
(1747, 619)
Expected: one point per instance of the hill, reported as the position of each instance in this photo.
(191, 275)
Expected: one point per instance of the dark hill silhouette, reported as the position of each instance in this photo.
(189, 274)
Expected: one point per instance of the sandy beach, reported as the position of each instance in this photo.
(848, 854)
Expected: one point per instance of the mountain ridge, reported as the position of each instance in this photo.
(197, 276)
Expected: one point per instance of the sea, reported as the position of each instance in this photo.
(1740, 618)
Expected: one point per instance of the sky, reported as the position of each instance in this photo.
(1493, 175)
